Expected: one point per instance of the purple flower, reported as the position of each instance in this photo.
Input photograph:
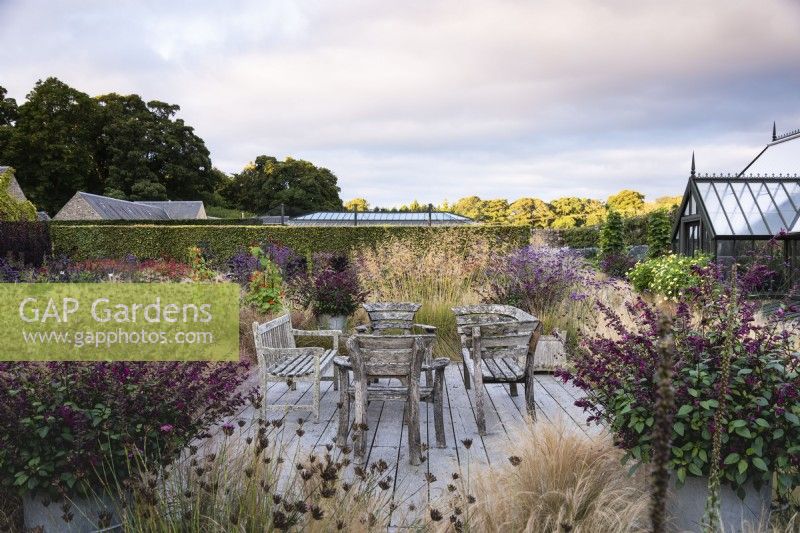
(167, 428)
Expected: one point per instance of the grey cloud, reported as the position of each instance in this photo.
(449, 98)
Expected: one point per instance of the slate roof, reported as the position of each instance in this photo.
(328, 218)
(113, 209)
(178, 209)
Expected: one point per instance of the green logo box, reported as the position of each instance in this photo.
(119, 322)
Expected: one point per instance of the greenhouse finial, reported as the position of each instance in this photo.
(692, 164)
(774, 132)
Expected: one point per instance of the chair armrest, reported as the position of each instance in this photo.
(333, 333)
(425, 327)
(342, 362)
(438, 363)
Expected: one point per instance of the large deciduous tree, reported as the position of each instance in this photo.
(626, 202)
(267, 183)
(8, 116)
(53, 144)
(147, 154)
(62, 141)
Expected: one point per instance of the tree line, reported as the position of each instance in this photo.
(561, 213)
(61, 140)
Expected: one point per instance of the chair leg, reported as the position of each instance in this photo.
(428, 378)
(513, 389)
(529, 399)
(414, 440)
(335, 378)
(360, 422)
(316, 398)
(344, 407)
(466, 376)
(438, 408)
(480, 414)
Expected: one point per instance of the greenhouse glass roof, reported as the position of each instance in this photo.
(752, 206)
(379, 218)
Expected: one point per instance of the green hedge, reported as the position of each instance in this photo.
(635, 232)
(82, 241)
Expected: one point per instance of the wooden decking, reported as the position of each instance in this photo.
(387, 438)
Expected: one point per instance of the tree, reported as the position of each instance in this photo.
(267, 183)
(531, 212)
(659, 233)
(62, 141)
(495, 212)
(8, 116)
(626, 202)
(147, 154)
(53, 144)
(471, 207)
(357, 204)
(612, 240)
(564, 222)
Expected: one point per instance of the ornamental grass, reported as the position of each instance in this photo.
(555, 480)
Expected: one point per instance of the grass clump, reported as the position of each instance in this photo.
(555, 480)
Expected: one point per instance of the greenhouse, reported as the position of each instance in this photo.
(733, 216)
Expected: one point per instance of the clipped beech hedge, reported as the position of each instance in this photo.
(86, 241)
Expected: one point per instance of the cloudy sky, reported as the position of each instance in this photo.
(434, 100)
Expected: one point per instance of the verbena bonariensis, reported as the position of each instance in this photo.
(760, 431)
(537, 279)
(242, 265)
(67, 427)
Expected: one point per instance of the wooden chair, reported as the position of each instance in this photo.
(279, 359)
(498, 343)
(389, 317)
(389, 356)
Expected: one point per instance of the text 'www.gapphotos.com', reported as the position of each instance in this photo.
(106, 339)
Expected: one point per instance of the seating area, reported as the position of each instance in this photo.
(384, 366)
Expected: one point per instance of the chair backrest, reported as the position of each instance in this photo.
(391, 316)
(276, 333)
(505, 331)
(387, 355)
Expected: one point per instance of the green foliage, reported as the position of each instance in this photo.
(531, 212)
(221, 242)
(611, 239)
(267, 183)
(225, 213)
(8, 115)
(667, 275)
(357, 204)
(626, 202)
(53, 144)
(201, 271)
(659, 231)
(265, 289)
(12, 209)
(63, 141)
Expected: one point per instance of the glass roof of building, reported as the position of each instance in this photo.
(387, 217)
(750, 205)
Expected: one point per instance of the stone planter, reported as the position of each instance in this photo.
(100, 512)
(686, 506)
(338, 322)
(550, 353)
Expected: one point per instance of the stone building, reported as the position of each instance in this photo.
(86, 206)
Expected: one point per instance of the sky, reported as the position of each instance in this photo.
(435, 100)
